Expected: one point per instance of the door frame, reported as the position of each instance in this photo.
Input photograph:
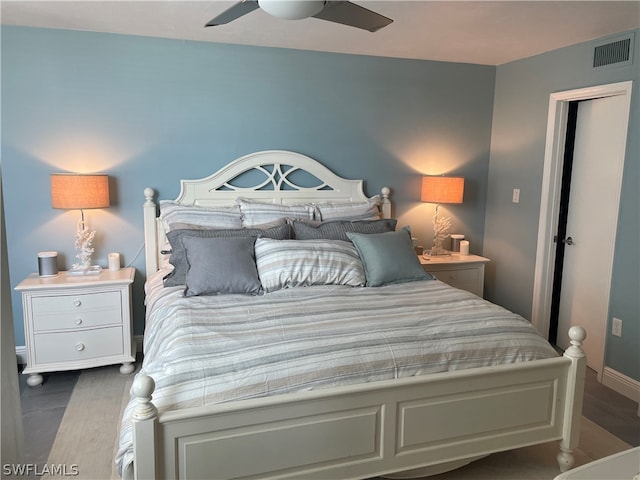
(550, 195)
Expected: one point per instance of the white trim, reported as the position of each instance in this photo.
(550, 195)
(622, 384)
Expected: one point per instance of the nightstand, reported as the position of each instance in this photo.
(461, 271)
(74, 322)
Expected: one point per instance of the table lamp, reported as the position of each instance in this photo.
(441, 189)
(74, 191)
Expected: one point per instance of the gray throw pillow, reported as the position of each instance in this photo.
(221, 265)
(178, 256)
(337, 229)
(388, 258)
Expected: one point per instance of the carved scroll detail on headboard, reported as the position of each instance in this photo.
(278, 177)
(219, 188)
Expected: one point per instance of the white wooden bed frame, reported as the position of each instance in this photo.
(432, 423)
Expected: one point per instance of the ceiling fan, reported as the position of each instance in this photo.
(344, 12)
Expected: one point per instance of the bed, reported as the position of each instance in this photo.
(324, 370)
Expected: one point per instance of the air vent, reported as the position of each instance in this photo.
(614, 52)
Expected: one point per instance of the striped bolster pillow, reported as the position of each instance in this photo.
(301, 263)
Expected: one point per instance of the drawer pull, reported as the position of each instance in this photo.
(77, 303)
(79, 347)
(78, 321)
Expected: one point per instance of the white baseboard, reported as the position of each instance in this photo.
(622, 384)
(21, 351)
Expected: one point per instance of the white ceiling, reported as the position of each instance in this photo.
(482, 32)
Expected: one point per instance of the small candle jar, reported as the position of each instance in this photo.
(114, 262)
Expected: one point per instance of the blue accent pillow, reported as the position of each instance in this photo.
(388, 258)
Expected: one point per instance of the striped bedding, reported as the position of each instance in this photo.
(205, 350)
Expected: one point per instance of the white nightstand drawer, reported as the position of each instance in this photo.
(74, 303)
(76, 311)
(68, 321)
(80, 345)
(466, 279)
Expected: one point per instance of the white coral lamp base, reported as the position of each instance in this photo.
(440, 232)
(84, 250)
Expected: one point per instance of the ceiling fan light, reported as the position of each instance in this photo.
(291, 9)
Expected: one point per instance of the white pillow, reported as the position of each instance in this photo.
(211, 217)
(367, 210)
(258, 213)
(301, 263)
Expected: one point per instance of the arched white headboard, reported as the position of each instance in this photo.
(274, 176)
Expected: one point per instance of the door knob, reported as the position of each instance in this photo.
(568, 241)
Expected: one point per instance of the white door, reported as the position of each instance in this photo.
(593, 217)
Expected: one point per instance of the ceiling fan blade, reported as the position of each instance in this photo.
(348, 13)
(236, 11)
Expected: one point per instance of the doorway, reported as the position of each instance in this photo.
(579, 265)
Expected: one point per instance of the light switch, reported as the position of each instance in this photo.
(516, 195)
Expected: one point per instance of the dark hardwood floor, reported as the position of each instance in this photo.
(610, 410)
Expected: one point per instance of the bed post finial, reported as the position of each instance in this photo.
(150, 232)
(142, 388)
(145, 418)
(149, 193)
(385, 204)
(577, 336)
(574, 397)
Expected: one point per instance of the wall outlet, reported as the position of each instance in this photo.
(616, 328)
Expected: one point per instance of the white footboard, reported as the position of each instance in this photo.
(368, 430)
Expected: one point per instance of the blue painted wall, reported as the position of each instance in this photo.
(150, 111)
(517, 157)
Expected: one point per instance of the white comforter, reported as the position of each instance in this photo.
(205, 350)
